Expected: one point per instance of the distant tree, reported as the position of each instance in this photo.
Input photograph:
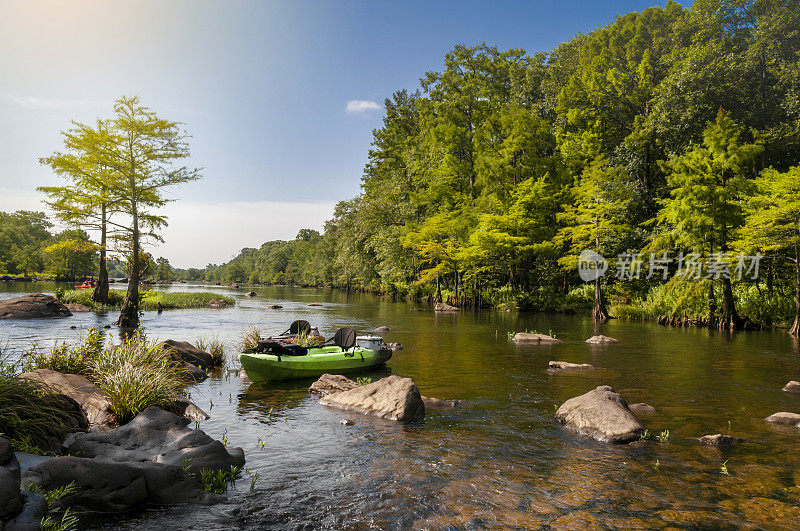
(23, 235)
(163, 270)
(704, 210)
(87, 202)
(71, 255)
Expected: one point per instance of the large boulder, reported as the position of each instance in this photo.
(784, 418)
(331, 383)
(442, 307)
(792, 387)
(91, 399)
(560, 366)
(78, 308)
(117, 486)
(185, 351)
(10, 500)
(602, 414)
(601, 340)
(34, 508)
(526, 337)
(33, 306)
(393, 398)
(157, 436)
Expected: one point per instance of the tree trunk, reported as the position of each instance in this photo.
(100, 293)
(795, 330)
(729, 318)
(129, 315)
(599, 312)
(438, 297)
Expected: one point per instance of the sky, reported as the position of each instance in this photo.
(280, 97)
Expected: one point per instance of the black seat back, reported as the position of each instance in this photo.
(299, 327)
(345, 338)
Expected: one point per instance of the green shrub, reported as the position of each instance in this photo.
(776, 308)
(213, 346)
(179, 300)
(250, 338)
(136, 375)
(217, 481)
(67, 360)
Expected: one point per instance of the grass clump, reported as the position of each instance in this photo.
(250, 338)
(136, 375)
(363, 380)
(66, 360)
(213, 346)
(148, 300)
(217, 481)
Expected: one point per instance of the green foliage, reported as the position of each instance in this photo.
(217, 481)
(149, 299)
(250, 338)
(363, 380)
(213, 346)
(68, 520)
(136, 375)
(66, 359)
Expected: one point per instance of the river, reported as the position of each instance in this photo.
(504, 461)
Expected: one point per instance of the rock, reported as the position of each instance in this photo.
(346, 422)
(33, 306)
(601, 339)
(10, 500)
(78, 308)
(117, 486)
(641, 408)
(243, 376)
(191, 373)
(785, 418)
(188, 409)
(438, 403)
(5, 278)
(34, 508)
(394, 346)
(217, 303)
(525, 337)
(381, 329)
(719, 440)
(602, 414)
(792, 387)
(314, 304)
(331, 383)
(187, 352)
(393, 398)
(558, 366)
(157, 436)
(250, 294)
(91, 399)
(274, 307)
(442, 307)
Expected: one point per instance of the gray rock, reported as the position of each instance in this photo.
(91, 399)
(642, 409)
(331, 383)
(157, 436)
(10, 500)
(602, 414)
(274, 307)
(188, 353)
(602, 340)
(346, 422)
(525, 337)
(188, 409)
(109, 485)
(34, 507)
(314, 304)
(33, 306)
(792, 387)
(250, 294)
(785, 418)
(559, 366)
(719, 440)
(381, 329)
(393, 398)
(442, 307)
(78, 308)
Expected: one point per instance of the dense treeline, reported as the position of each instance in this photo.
(663, 131)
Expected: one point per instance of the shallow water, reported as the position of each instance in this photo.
(504, 461)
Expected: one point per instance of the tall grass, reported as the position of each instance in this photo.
(136, 375)
(213, 346)
(149, 300)
(66, 359)
(250, 338)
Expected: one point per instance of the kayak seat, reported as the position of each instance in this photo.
(280, 348)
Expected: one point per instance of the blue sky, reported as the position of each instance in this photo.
(262, 86)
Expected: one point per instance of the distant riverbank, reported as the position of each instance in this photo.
(150, 300)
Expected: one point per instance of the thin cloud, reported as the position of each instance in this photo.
(361, 106)
(63, 104)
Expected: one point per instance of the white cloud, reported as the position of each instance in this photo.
(63, 104)
(361, 106)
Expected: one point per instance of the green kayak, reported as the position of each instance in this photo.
(318, 361)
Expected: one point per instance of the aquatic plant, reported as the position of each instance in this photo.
(724, 468)
(217, 481)
(250, 338)
(663, 437)
(213, 346)
(363, 380)
(69, 520)
(136, 375)
(66, 359)
(645, 435)
(253, 480)
(149, 300)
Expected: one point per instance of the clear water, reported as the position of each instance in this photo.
(504, 461)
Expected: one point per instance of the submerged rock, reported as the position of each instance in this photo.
(792, 387)
(250, 294)
(641, 408)
(394, 346)
(346, 422)
(33, 306)
(438, 403)
(185, 351)
(601, 339)
(784, 418)
(156, 436)
(94, 403)
(331, 383)
(274, 307)
(78, 308)
(392, 398)
(602, 414)
(442, 307)
(381, 329)
(719, 440)
(526, 337)
(314, 304)
(217, 303)
(559, 366)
